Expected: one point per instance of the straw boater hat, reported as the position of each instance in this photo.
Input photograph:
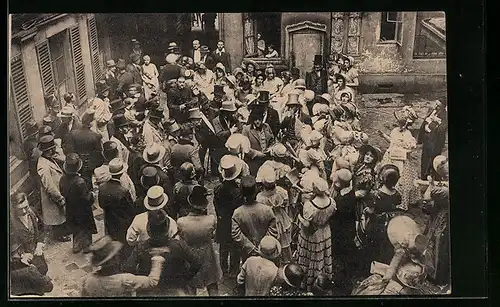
(104, 249)
(110, 63)
(228, 106)
(153, 153)
(197, 199)
(101, 174)
(269, 248)
(238, 143)
(117, 167)
(230, 167)
(73, 164)
(155, 199)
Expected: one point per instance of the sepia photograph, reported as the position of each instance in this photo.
(259, 154)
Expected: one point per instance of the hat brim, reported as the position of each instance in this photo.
(123, 170)
(160, 206)
(275, 255)
(48, 148)
(65, 167)
(198, 206)
(239, 168)
(160, 156)
(116, 247)
(231, 110)
(369, 148)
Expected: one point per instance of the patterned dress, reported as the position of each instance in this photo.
(315, 244)
(282, 291)
(278, 200)
(401, 142)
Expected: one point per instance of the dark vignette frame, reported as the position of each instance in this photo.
(467, 133)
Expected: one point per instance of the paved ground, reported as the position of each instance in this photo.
(68, 269)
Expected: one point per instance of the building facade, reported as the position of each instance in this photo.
(49, 53)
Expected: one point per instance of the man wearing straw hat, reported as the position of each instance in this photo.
(108, 281)
(79, 200)
(259, 272)
(116, 202)
(227, 197)
(155, 199)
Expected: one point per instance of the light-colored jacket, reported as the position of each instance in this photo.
(137, 232)
(151, 134)
(50, 174)
(125, 181)
(122, 149)
(258, 274)
(102, 116)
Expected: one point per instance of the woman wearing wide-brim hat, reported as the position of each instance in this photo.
(79, 200)
(108, 281)
(198, 230)
(402, 153)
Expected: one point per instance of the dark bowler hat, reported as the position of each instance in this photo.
(101, 86)
(104, 249)
(204, 50)
(293, 275)
(157, 227)
(120, 120)
(197, 199)
(110, 150)
(134, 57)
(73, 164)
(117, 105)
(31, 128)
(149, 176)
(46, 143)
(248, 182)
(156, 113)
(318, 59)
(219, 90)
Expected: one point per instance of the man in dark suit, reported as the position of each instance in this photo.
(205, 135)
(87, 144)
(26, 234)
(317, 79)
(116, 202)
(137, 72)
(125, 80)
(271, 116)
(206, 58)
(225, 124)
(221, 56)
(69, 122)
(170, 71)
(195, 53)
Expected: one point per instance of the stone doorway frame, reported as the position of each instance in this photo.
(304, 25)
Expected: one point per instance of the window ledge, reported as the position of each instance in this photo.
(391, 42)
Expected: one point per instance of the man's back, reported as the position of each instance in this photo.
(254, 220)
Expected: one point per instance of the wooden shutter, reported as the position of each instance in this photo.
(23, 108)
(94, 49)
(76, 53)
(45, 65)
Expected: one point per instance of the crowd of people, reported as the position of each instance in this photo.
(304, 204)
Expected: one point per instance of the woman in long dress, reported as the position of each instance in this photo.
(401, 152)
(315, 244)
(150, 77)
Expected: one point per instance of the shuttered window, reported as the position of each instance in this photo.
(76, 52)
(45, 66)
(23, 108)
(94, 49)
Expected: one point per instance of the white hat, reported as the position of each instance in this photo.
(266, 174)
